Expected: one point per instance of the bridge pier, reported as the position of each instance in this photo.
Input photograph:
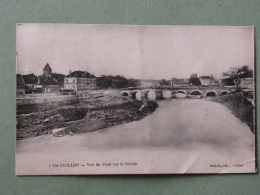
(136, 95)
(150, 94)
(166, 94)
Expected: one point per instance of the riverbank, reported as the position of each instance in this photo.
(188, 135)
(239, 104)
(79, 116)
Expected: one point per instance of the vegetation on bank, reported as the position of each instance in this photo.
(105, 111)
(239, 104)
(115, 82)
(79, 116)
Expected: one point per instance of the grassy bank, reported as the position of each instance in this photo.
(239, 105)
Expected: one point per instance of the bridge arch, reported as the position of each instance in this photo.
(196, 94)
(125, 93)
(212, 93)
(150, 94)
(224, 93)
(136, 95)
(166, 94)
(181, 94)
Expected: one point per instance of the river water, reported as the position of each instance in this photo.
(185, 135)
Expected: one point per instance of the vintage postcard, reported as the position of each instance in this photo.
(129, 99)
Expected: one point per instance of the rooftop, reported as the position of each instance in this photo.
(49, 81)
(81, 74)
(29, 78)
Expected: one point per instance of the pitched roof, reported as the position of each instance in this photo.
(59, 78)
(81, 74)
(57, 75)
(47, 67)
(29, 79)
(49, 81)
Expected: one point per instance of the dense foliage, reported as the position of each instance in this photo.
(119, 81)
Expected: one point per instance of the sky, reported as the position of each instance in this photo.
(140, 52)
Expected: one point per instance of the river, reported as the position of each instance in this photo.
(181, 136)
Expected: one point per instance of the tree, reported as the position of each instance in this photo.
(164, 82)
(104, 82)
(110, 81)
(195, 81)
(246, 72)
(238, 73)
(119, 81)
(134, 82)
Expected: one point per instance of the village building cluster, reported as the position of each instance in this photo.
(208, 81)
(50, 82)
(203, 81)
(79, 81)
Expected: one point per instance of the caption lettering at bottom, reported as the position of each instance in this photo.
(119, 164)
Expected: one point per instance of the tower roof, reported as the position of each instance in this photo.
(47, 67)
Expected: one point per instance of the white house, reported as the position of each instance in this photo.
(80, 81)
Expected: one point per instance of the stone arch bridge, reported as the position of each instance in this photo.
(156, 94)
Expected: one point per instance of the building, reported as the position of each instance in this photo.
(80, 81)
(26, 83)
(247, 83)
(179, 82)
(50, 86)
(29, 81)
(193, 76)
(49, 78)
(47, 84)
(20, 85)
(47, 70)
(207, 81)
(59, 78)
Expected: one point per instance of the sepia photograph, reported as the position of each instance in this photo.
(134, 99)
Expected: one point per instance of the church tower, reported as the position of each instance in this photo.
(47, 70)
